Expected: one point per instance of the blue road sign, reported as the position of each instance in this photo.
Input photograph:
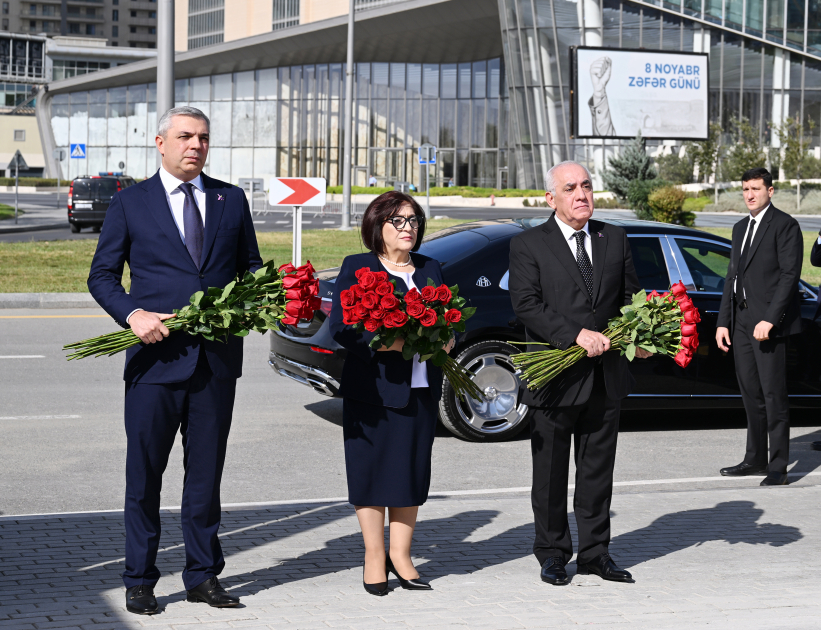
(427, 154)
(78, 151)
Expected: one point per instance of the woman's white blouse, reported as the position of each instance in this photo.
(419, 377)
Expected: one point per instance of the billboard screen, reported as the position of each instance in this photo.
(618, 93)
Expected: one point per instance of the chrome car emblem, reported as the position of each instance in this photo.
(483, 282)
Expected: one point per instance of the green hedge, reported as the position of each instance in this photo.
(444, 191)
(33, 181)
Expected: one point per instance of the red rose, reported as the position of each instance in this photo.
(685, 304)
(378, 313)
(315, 303)
(306, 269)
(397, 319)
(368, 281)
(429, 294)
(453, 315)
(358, 291)
(429, 318)
(678, 289)
(689, 330)
(296, 294)
(294, 307)
(290, 321)
(384, 288)
(370, 300)
(381, 276)
(291, 282)
(652, 294)
(443, 294)
(692, 317)
(360, 311)
(682, 359)
(348, 316)
(372, 325)
(415, 309)
(358, 273)
(690, 343)
(413, 296)
(389, 302)
(313, 288)
(286, 268)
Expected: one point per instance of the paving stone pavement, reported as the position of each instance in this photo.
(725, 558)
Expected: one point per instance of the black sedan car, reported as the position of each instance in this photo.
(475, 256)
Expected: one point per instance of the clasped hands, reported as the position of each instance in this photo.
(596, 344)
(400, 343)
(761, 332)
(149, 326)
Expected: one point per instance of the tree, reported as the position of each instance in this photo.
(673, 168)
(745, 151)
(632, 165)
(705, 153)
(794, 145)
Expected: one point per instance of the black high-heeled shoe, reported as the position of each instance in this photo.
(379, 589)
(411, 585)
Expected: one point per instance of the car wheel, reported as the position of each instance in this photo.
(499, 417)
(96, 229)
(74, 227)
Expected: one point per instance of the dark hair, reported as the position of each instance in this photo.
(383, 208)
(758, 173)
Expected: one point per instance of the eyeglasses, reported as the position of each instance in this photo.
(399, 222)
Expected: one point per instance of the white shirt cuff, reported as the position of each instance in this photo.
(131, 313)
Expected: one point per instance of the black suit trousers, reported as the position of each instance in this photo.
(200, 408)
(594, 427)
(761, 369)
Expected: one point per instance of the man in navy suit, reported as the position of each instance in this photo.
(180, 232)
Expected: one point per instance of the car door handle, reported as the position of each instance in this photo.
(711, 312)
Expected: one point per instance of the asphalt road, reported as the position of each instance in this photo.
(62, 443)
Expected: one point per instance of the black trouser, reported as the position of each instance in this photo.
(594, 427)
(761, 368)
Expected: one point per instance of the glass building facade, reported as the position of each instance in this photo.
(497, 122)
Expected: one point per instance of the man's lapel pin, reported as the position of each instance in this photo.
(600, 234)
(220, 198)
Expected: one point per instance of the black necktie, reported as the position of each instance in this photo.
(583, 261)
(742, 259)
(192, 223)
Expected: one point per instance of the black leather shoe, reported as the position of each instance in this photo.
(553, 572)
(605, 568)
(212, 593)
(816, 446)
(742, 470)
(140, 600)
(775, 479)
(411, 585)
(380, 589)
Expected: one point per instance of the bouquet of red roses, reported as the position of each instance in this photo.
(658, 323)
(425, 319)
(256, 301)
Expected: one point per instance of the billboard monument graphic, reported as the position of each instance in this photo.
(618, 93)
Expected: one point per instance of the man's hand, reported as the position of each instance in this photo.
(449, 346)
(149, 326)
(594, 342)
(762, 331)
(723, 338)
(397, 346)
(641, 353)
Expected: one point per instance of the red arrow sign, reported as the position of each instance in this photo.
(303, 191)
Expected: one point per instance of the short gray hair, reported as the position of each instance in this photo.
(550, 178)
(165, 121)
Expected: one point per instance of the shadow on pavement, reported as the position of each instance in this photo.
(732, 521)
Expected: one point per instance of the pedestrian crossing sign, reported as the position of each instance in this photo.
(78, 151)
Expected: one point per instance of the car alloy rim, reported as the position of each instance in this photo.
(495, 376)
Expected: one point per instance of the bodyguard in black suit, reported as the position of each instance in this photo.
(759, 309)
(568, 277)
(180, 232)
(815, 259)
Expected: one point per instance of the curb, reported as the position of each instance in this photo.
(32, 228)
(47, 300)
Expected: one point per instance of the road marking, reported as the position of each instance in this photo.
(51, 316)
(328, 222)
(259, 221)
(37, 417)
(281, 222)
(22, 356)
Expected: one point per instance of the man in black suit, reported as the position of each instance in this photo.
(568, 277)
(760, 309)
(815, 259)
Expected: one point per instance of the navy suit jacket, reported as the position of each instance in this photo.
(139, 229)
(369, 376)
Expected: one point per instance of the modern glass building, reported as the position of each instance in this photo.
(486, 81)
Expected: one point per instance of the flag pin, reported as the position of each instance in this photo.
(220, 198)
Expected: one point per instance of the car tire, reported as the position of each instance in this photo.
(75, 228)
(500, 419)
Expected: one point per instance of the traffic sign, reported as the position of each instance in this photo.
(78, 151)
(297, 191)
(59, 154)
(18, 162)
(427, 154)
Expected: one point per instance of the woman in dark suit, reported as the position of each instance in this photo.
(389, 407)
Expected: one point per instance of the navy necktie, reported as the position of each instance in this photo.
(192, 223)
(583, 260)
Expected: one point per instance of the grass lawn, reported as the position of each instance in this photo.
(62, 266)
(7, 212)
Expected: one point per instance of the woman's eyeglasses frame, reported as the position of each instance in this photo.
(405, 221)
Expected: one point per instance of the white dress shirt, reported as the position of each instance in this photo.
(176, 202)
(419, 375)
(568, 233)
(757, 220)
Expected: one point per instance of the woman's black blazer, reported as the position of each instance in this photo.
(379, 378)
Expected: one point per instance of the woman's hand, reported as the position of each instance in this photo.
(449, 346)
(397, 346)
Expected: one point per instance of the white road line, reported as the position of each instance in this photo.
(437, 495)
(23, 356)
(37, 417)
(259, 221)
(282, 222)
(328, 222)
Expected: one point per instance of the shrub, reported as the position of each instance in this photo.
(678, 170)
(632, 165)
(666, 204)
(33, 181)
(637, 193)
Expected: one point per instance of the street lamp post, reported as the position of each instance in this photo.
(348, 126)
(165, 59)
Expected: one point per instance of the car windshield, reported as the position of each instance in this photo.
(94, 188)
